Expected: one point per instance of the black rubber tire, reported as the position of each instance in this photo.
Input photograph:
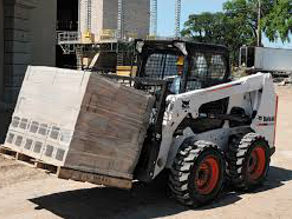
(182, 174)
(237, 157)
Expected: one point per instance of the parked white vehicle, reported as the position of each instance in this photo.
(263, 59)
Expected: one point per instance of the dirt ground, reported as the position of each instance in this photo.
(29, 193)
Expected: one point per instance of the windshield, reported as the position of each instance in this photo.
(197, 70)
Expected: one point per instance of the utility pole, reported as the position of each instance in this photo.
(259, 28)
(177, 18)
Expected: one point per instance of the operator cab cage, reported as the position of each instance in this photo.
(196, 65)
(178, 67)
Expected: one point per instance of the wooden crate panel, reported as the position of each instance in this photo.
(110, 129)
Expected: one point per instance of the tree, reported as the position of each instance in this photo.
(207, 27)
(237, 24)
(218, 28)
(277, 24)
(276, 16)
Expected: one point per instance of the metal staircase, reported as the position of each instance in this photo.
(120, 59)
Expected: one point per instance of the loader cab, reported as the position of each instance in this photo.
(186, 65)
(180, 67)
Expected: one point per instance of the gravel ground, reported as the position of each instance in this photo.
(29, 193)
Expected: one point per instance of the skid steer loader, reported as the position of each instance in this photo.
(205, 128)
(194, 121)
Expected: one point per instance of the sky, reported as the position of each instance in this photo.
(166, 9)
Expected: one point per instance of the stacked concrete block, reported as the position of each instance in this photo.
(80, 121)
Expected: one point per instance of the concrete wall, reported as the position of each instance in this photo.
(30, 38)
(5, 115)
(17, 49)
(29, 28)
(1, 46)
(105, 12)
(43, 20)
(137, 17)
(96, 16)
(110, 14)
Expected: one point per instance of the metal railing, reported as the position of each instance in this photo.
(66, 25)
(108, 34)
(67, 36)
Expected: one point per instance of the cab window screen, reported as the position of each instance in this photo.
(206, 70)
(199, 71)
(161, 66)
(200, 66)
(217, 67)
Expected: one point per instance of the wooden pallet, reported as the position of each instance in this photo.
(66, 173)
(27, 160)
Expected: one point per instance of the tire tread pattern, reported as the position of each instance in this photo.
(182, 167)
(236, 157)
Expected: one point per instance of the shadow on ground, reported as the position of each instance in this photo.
(142, 202)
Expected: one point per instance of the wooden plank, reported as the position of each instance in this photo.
(110, 129)
(127, 70)
(65, 173)
(124, 70)
(106, 165)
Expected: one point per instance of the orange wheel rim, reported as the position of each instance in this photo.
(207, 175)
(256, 163)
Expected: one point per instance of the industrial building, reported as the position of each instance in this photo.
(29, 30)
(99, 17)
(97, 22)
